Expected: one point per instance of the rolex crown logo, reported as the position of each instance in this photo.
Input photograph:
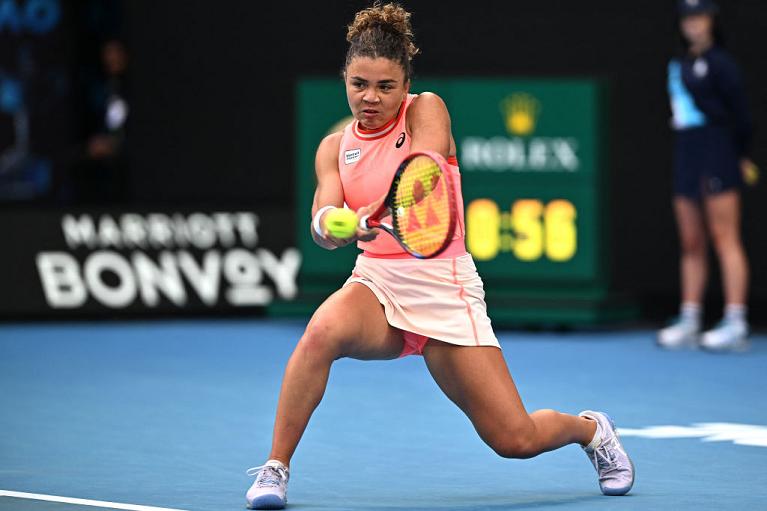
(520, 111)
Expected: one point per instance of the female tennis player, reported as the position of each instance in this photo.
(395, 305)
(713, 133)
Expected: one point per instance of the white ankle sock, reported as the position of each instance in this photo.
(735, 312)
(597, 437)
(690, 312)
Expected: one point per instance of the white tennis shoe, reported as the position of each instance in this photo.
(269, 490)
(680, 334)
(615, 469)
(726, 336)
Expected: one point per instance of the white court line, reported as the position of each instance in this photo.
(739, 434)
(83, 502)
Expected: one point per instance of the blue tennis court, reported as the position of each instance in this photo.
(171, 414)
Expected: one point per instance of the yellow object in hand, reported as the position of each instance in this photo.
(341, 223)
(750, 173)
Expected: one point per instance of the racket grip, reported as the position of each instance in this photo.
(364, 222)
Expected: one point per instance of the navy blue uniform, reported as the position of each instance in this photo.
(711, 120)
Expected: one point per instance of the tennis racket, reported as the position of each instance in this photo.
(422, 204)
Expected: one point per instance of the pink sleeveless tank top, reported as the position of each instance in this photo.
(367, 161)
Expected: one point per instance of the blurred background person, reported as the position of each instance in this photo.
(712, 136)
(100, 173)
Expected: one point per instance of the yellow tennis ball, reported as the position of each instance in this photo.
(751, 174)
(341, 223)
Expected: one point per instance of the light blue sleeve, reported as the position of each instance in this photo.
(685, 113)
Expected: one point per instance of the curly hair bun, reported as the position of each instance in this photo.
(391, 17)
(373, 28)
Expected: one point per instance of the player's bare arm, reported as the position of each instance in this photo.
(330, 192)
(428, 122)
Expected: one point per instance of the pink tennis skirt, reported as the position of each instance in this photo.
(441, 299)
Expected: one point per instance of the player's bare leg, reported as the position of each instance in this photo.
(350, 323)
(478, 381)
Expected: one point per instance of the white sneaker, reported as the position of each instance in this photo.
(726, 336)
(613, 465)
(680, 334)
(269, 490)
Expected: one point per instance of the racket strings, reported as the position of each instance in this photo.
(422, 206)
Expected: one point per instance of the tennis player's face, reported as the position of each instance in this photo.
(375, 89)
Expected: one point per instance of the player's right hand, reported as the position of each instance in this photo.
(367, 234)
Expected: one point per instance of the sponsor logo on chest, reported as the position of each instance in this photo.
(352, 156)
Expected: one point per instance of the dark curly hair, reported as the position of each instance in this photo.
(382, 31)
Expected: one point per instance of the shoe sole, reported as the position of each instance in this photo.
(617, 492)
(739, 347)
(267, 502)
(688, 344)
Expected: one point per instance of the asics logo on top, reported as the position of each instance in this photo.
(400, 140)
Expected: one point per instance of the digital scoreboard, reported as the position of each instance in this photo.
(533, 175)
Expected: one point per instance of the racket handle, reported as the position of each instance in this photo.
(364, 223)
